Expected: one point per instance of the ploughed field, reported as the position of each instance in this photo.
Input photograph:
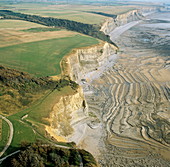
(132, 102)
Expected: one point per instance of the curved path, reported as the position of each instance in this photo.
(10, 135)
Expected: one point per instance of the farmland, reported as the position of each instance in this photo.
(80, 13)
(30, 47)
(42, 58)
(11, 37)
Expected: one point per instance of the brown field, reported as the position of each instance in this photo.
(11, 33)
(17, 24)
(14, 36)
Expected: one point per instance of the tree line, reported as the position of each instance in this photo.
(23, 81)
(22, 88)
(103, 14)
(41, 154)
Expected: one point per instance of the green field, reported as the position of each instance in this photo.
(81, 17)
(42, 58)
(58, 11)
(22, 133)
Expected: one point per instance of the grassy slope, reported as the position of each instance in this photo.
(22, 133)
(33, 128)
(43, 57)
(43, 109)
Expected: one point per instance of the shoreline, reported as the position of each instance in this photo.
(88, 90)
(130, 83)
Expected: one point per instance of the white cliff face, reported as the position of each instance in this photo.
(120, 20)
(86, 60)
(65, 113)
(68, 118)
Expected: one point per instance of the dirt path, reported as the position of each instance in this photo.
(10, 135)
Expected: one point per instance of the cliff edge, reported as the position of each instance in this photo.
(69, 116)
(83, 61)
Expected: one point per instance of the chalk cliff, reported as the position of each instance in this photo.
(69, 110)
(85, 60)
(64, 113)
(120, 20)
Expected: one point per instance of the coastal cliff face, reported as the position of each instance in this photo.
(69, 111)
(120, 20)
(64, 113)
(80, 62)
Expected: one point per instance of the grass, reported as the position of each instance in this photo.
(14, 36)
(22, 133)
(39, 114)
(5, 134)
(42, 58)
(43, 109)
(83, 17)
(18, 24)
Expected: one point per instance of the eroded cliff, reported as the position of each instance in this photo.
(65, 113)
(120, 20)
(69, 116)
(81, 62)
